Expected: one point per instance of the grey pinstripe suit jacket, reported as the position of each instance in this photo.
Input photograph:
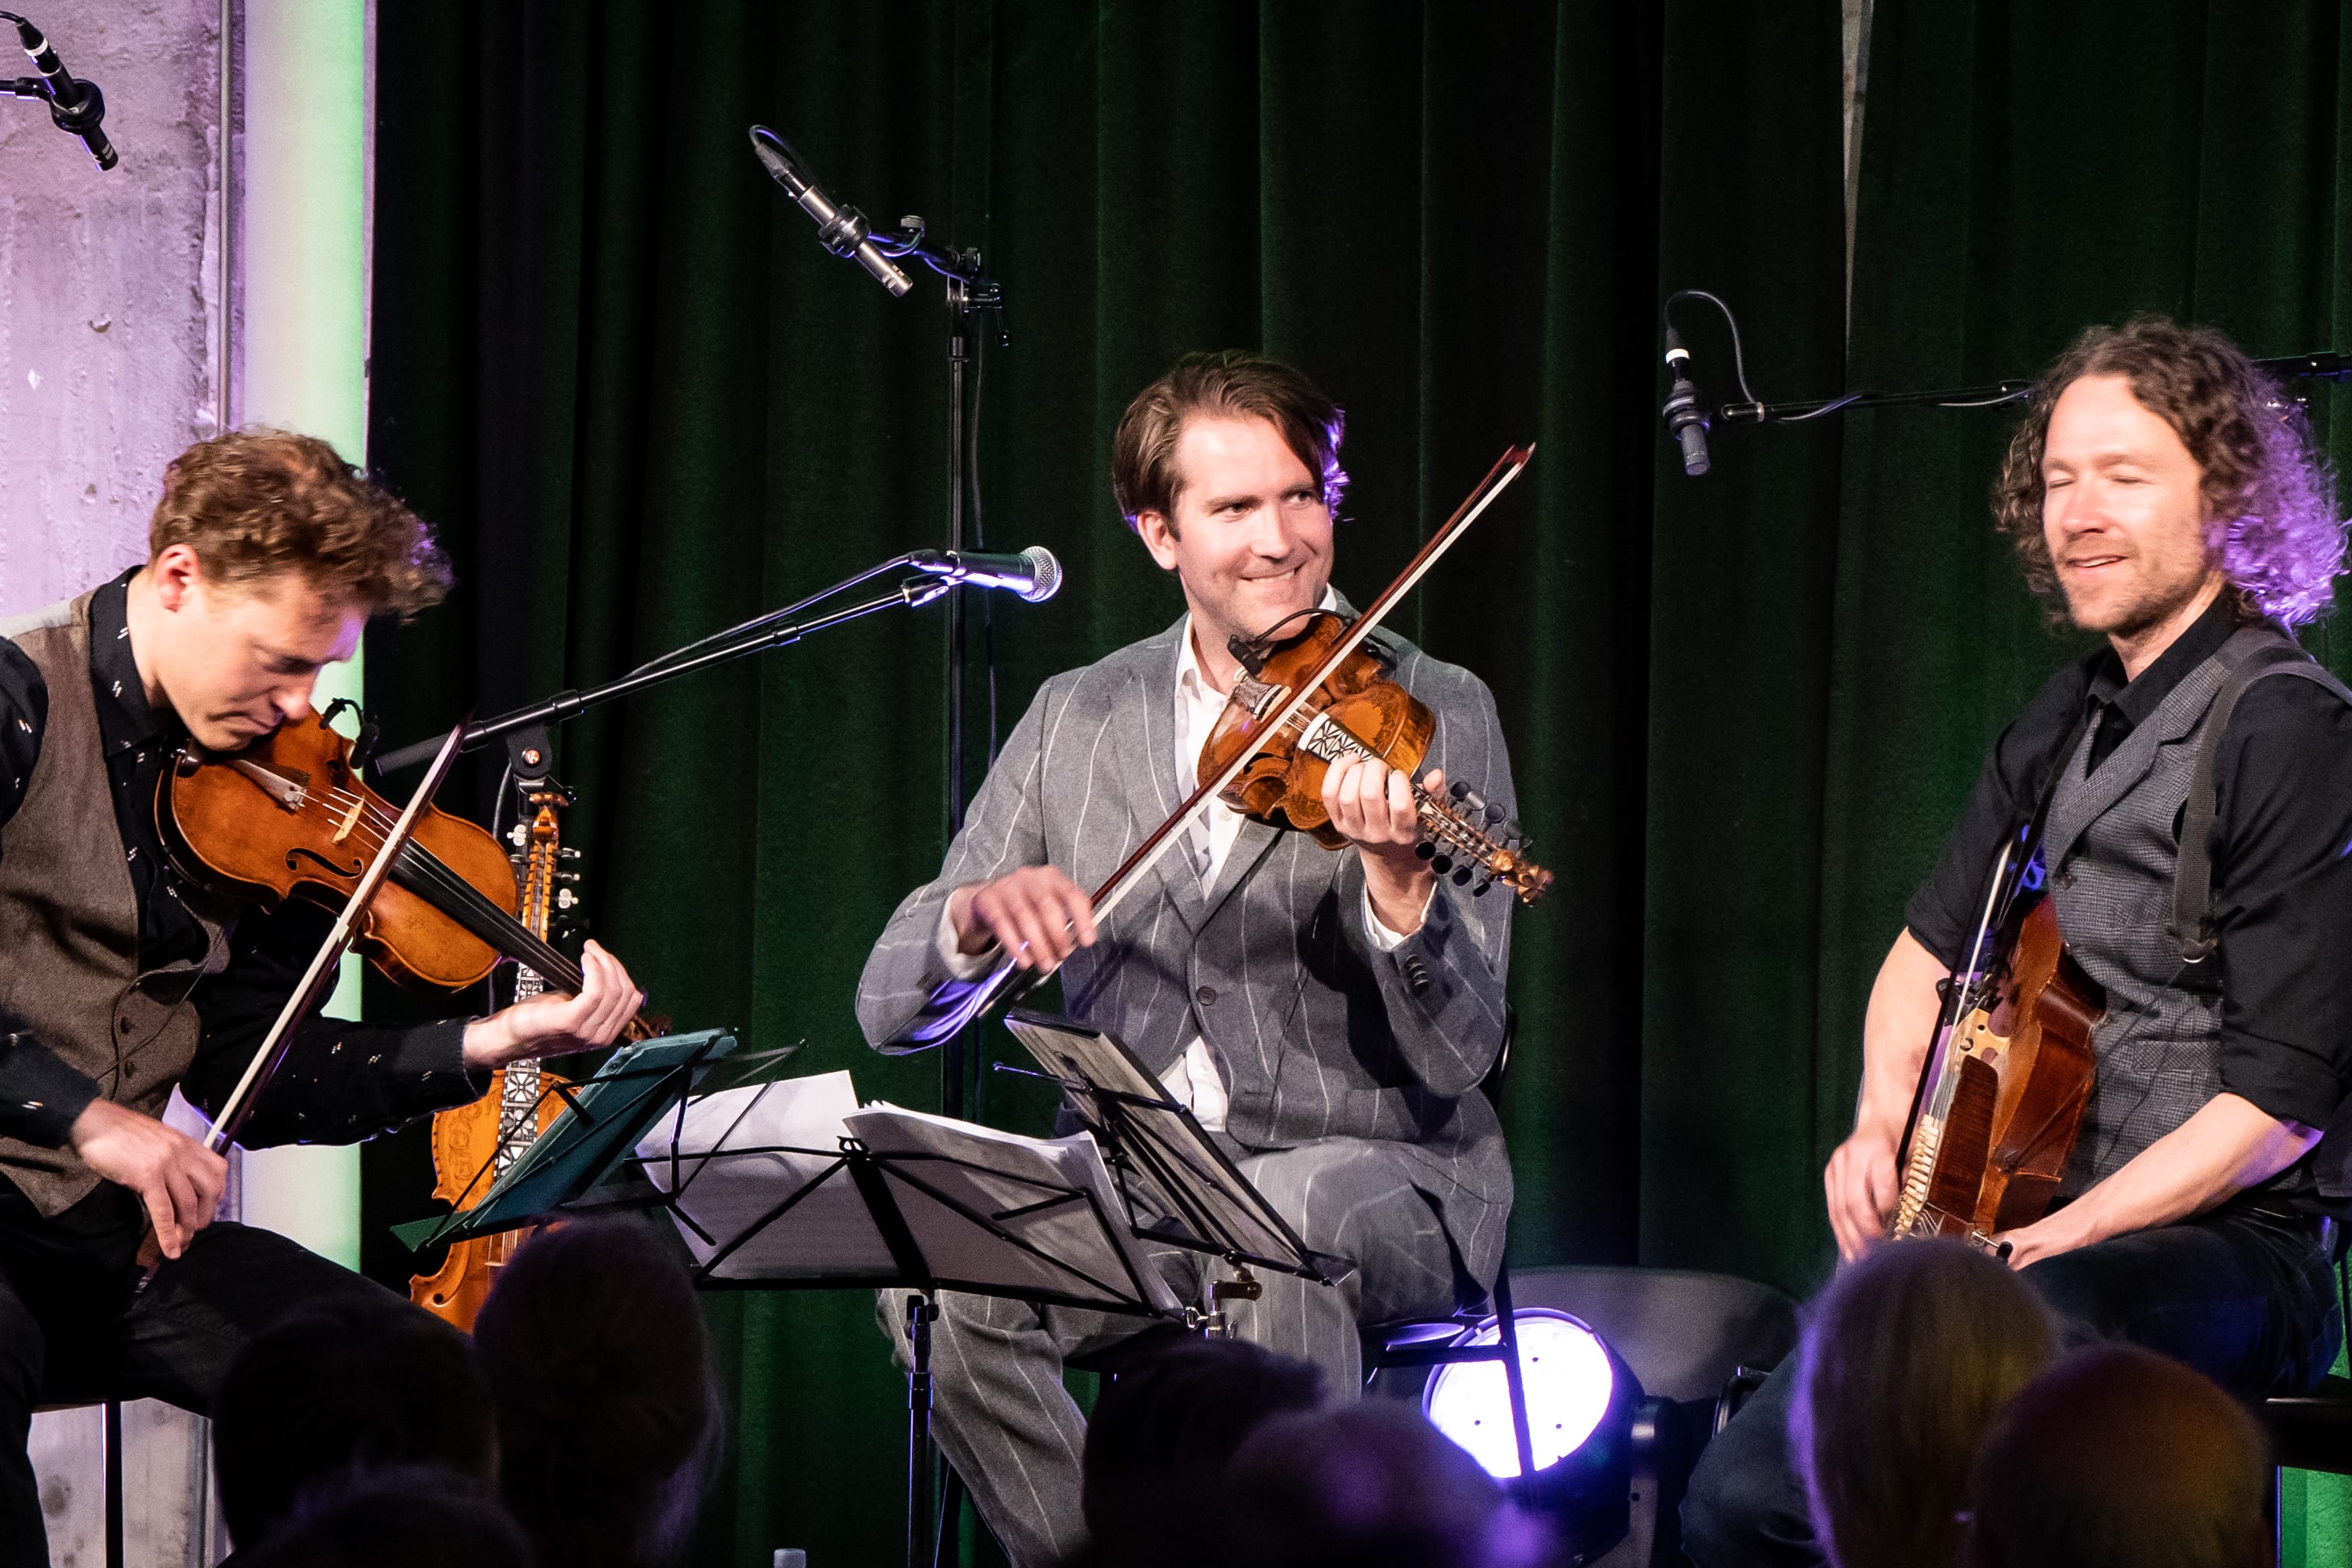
(1317, 1033)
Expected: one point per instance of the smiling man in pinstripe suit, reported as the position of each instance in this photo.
(1329, 1016)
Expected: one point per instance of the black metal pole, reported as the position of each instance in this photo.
(770, 633)
(920, 1314)
(2293, 367)
(953, 1058)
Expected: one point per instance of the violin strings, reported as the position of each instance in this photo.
(431, 868)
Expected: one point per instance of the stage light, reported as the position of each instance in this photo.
(1582, 1405)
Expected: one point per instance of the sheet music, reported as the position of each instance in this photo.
(828, 1232)
(1015, 1187)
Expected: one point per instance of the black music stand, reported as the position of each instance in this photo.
(974, 1211)
(1168, 1165)
(602, 1120)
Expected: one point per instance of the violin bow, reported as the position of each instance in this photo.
(238, 1106)
(958, 1003)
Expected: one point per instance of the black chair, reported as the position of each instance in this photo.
(2309, 1431)
(2312, 1431)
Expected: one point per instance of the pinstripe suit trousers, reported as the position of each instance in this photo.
(1003, 1418)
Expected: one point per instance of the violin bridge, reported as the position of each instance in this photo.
(350, 818)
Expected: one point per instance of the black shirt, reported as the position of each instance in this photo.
(341, 1081)
(2282, 879)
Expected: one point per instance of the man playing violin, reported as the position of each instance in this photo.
(118, 982)
(2166, 490)
(1327, 1016)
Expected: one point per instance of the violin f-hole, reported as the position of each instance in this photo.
(302, 852)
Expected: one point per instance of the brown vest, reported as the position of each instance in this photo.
(69, 964)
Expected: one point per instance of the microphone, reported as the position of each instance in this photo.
(1686, 420)
(1034, 574)
(77, 107)
(840, 229)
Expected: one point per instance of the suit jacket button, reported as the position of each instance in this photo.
(1205, 994)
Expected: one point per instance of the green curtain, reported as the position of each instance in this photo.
(610, 364)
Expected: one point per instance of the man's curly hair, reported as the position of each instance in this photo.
(2269, 494)
(255, 504)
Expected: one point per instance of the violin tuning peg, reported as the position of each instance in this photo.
(1425, 850)
(1479, 890)
(1459, 789)
(1493, 812)
(1441, 863)
(1460, 875)
(567, 854)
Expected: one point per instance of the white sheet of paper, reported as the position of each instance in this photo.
(827, 1234)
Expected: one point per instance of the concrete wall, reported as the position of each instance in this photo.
(108, 317)
(109, 327)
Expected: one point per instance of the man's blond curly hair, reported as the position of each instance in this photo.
(256, 504)
(2267, 488)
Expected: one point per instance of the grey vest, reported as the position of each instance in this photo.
(69, 961)
(2109, 845)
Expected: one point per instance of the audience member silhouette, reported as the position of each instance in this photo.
(345, 1386)
(2119, 1457)
(1159, 1441)
(608, 1408)
(1363, 1483)
(1906, 1358)
(405, 1517)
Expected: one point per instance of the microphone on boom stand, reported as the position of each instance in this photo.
(78, 107)
(840, 229)
(1034, 574)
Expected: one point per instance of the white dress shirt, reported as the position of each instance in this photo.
(1194, 1077)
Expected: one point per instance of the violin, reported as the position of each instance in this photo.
(1353, 711)
(482, 1140)
(1272, 746)
(288, 817)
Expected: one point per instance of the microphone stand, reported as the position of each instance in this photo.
(1753, 410)
(775, 628)
(2292, 367)
(970, 293)
(845, 231)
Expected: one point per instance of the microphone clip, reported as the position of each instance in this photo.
(844, 232)
(76, 106)
(1686, 420)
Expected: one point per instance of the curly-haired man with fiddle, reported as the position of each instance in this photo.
(2166, 490)
(119, 982)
